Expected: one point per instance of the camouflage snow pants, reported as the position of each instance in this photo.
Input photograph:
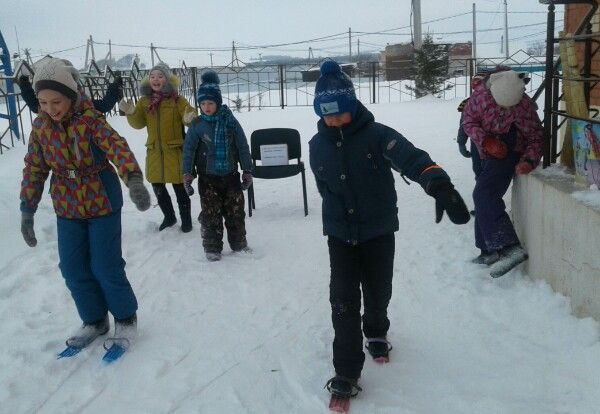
(221, 197)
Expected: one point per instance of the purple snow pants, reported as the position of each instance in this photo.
(493, 228)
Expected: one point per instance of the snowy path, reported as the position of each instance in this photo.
(252, 333)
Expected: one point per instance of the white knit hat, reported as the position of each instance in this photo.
(507, 88)
(58, 75)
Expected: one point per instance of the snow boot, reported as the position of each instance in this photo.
(343, 386)
(213, 256)
(166, 206)
(86, 334)
(510, 257)
(125, 333)
(486, 257)
(185, 212)
(379, 349)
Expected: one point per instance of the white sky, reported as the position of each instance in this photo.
(52, 26)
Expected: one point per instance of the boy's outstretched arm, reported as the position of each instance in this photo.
(417, 165)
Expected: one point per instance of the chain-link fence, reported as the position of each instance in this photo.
(256, 86)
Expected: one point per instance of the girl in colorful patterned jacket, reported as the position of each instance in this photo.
(164, 113)
(504, 126)
(72, 140)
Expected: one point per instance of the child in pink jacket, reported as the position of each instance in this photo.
(502, 122)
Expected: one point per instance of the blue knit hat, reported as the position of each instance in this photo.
(334, 91)
(209, 88)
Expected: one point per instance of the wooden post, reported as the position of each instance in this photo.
(573, 93)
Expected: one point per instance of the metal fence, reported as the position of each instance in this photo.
(253, 87)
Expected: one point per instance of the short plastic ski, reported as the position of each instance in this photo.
(339, 404)
(113, 353)
(69, 351)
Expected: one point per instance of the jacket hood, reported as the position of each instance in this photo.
(171, 85)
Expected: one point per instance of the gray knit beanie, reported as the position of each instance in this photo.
(58, 75)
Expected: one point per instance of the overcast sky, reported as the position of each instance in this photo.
(51, 26)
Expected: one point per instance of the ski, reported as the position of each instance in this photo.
(382, 360)
(69, 351)
(339, 404)
(113, 353)
(379, 349)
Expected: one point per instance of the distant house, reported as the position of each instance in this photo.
(311, 75)
(458, 54)
(398, 60)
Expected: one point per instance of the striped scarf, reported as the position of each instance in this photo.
(224, 120)
(157, 97)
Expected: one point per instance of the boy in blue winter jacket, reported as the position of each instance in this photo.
(352, 157)
(215, 143)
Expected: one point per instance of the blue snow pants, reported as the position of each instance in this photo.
(93, 267)
(493, 228)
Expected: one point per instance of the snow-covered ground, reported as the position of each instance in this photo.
(252, 333)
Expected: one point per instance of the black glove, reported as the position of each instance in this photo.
(138, 192)
(463, 150)
(447, 198)
(246, 180)
(27, 229)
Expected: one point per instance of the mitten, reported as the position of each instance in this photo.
(448, 199)
(27, 229)
(523, 167)
(189, 117)
(23, 79)
(188, 179)
(463, 150)
(116, 87)
(137, 191)
(495, 148)
(246, 180)
(128, 107)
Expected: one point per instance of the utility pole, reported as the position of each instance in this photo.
(152, 54)
(349, 43)
(358, 50)
(474, 33)
(211, 59)
(505, 29)
(418, 36)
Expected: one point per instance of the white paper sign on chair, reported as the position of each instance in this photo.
(275, 154)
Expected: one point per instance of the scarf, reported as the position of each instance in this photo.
(224, 120)
(157, 97)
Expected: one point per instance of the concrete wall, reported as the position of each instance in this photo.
(561, 235)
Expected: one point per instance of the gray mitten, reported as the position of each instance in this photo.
(27, 229)
(137, 191)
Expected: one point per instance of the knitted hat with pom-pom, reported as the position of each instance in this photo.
(209, 88)
(334, 91)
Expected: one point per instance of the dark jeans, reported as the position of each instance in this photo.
(493, 228)
(221, 198)
(369, 264)
(161, 193)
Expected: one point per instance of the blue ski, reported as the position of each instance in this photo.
(113, 353)
(69, 352)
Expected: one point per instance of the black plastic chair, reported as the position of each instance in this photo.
(271, 136)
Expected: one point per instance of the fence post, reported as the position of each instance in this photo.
(194, 87)
(373, 77)
(281, 85)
